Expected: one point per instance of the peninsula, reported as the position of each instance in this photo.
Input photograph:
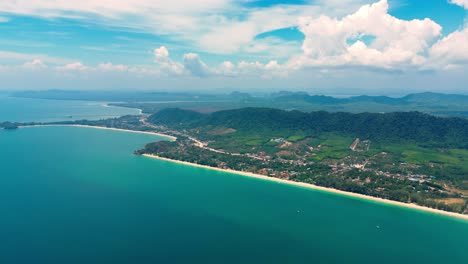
(410, 159)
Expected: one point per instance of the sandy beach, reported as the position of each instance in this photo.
(108, 105)
(315, 187)
(172, 138)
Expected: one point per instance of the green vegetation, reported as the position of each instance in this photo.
(8, 125)
(128, 122)
(15, 125)
(264, 122)
(408, 157)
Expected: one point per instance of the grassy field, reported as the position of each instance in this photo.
(332, 146)
(413, 153)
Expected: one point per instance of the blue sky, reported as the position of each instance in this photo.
(321, 46)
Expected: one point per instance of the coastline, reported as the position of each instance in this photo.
(316, 187)
(172, 138)
(273, 179)
(108, 104)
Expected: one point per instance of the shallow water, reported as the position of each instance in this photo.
(41, 110)
(78, 195)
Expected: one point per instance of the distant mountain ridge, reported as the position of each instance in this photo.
(426, 97)
(151, 101)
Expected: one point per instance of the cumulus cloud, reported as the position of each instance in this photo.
(112, 67)
(250, 69)
(462, 3)
(225, 26)
(195, 66)
(165, 63)
(450, 51)
(397, 43)
(35, 64)
(75, 66)
(227, 68)
(161, 53)
(367, 37)
(192, 64)
(268, 70)
(228, 33)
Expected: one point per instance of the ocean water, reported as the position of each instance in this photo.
(78, 195)
(40, 110)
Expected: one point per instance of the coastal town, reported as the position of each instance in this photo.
(340, 166)
(295, 161)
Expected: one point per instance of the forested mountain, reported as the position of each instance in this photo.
(413, 126)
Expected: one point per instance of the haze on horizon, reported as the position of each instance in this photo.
(376, 47)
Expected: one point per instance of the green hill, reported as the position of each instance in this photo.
(398, 126)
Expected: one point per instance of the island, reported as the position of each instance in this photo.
(11, 125)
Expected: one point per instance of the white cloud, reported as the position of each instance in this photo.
(250, 67)
(34, 65)
(269, 70)
(161, 53)
(275, 48)
(106, 8)
(330, 43)
(165, 63)
(225, 34)
(112, 67)
(462, 3)
(195, 66)
(75, 66)
(450, 51)
(398, 43)
(227, 68)
(217, 26)
(9, 56)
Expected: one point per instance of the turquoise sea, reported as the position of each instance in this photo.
(41, 110)
(79, 195)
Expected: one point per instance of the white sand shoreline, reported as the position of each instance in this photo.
(315, 187)
(108, 104)
(172, 138)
